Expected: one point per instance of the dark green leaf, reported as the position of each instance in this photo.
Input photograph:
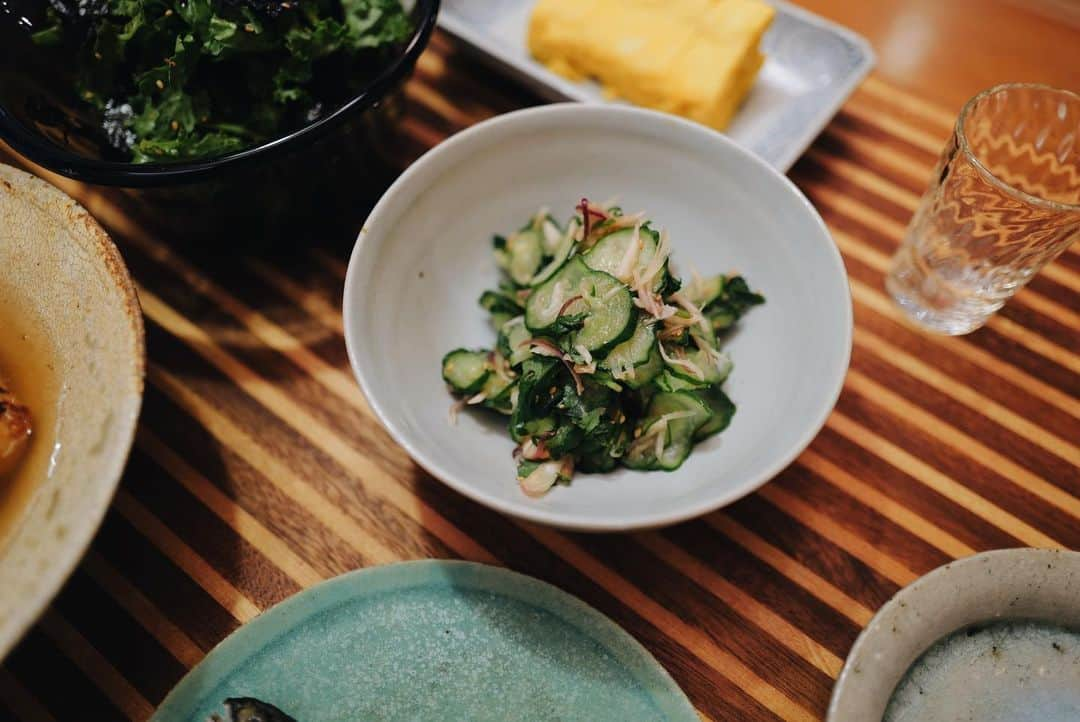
(498, 302)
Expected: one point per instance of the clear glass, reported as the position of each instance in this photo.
(1004, 202)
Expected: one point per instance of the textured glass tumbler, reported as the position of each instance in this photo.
(1004, 202)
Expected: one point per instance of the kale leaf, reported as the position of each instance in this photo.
(181, 79)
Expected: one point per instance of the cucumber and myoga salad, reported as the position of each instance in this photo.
(603, 357)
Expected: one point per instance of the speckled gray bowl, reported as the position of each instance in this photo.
(60, 269)
(1024, 584)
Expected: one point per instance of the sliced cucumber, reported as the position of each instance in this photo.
(717, 366)
(533, 427)
(500, 302)
(559, 256)
(524, 254)
(673, 418)
(512, 337)
(636, 361)
(722, 409)
(667, 381)
(705, 290)
(614, 253)
(497, 391)
(722, 318)
(610, 313)
(547, 300)
(714, 364)
(466, 371)
(500, 319)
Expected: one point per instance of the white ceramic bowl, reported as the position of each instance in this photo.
(424, 256)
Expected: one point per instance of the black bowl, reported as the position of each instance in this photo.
(272, 190)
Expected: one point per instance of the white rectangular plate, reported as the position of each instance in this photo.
(812, 65)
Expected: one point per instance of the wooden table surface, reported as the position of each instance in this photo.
(259, 469)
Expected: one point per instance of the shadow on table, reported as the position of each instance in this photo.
(148, 561)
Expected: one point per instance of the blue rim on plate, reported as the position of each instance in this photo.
(433, 640)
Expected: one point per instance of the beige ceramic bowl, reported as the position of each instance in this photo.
(1040, 585)
(65, 279)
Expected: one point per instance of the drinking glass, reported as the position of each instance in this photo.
(1004, 202)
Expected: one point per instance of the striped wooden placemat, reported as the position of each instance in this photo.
(259, 469)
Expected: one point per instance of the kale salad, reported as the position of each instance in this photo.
(603, 357)
(189, 79)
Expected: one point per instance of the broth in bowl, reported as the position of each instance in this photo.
(29, 389)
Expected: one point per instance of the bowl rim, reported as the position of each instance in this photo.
(37, 148)
(848, 682)
(617, 116)
(105, 253)
(307, 604)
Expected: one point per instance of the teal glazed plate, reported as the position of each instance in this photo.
(432, 640)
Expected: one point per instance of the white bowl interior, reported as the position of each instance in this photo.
(424, 256)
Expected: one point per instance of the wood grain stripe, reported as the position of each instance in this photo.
(849, 171)
(896, 405)
(131, 600)
(339, 382)
(245, 525)
(852, 246)
(277, 473)
(328, 262)
(691, 637)
(859, 108)
(228, 596)
(20, 701)
(956, 389)
(881, 304)
(744, 604)
(315, 431)
(884, 505)
(436, 102)
(833, 531)
(314, 304)
(966, 395)
(885, 91)
(939, 481)
(917, 173)
(164, 582)
(791, 568)
(96, 668)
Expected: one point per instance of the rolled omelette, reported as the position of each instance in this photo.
(694, 58)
